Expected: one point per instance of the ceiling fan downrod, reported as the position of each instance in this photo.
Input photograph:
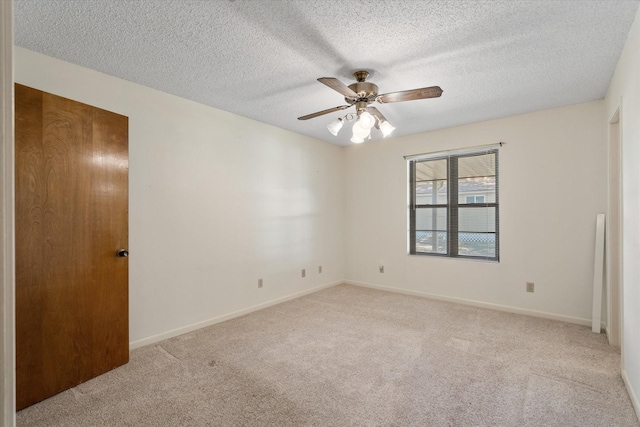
(361, 75)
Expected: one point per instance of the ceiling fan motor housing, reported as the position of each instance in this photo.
(366, 91)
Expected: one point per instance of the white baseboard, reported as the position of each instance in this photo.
(499, 307)
(632, 394)
(185, 329)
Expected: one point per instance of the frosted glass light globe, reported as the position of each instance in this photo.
(386, 128)
(366, 120)
(359, 131)
(335, 126)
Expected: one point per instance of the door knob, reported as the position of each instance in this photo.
(123, 252)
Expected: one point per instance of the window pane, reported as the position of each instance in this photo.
(477, 244)
(480, 165)
(482, 189)
(476, 235)
(431, 219)
(433, 242)
(425, 193)
(477, 219)
(431, 230)
(430, 170)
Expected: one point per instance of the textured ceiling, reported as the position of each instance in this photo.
(261, 59)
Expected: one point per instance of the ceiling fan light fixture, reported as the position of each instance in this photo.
(357, 140)
(335, 126)
(366, 120)
(386, 128)
(360, 132)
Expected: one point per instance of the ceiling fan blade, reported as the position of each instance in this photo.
(410, 95)
(338, 86)
(378, 115)
(323, 112)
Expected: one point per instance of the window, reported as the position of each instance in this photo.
(453, 206)
(475, 199)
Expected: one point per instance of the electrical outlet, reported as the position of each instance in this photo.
(381, 268)
(259, 283)
(304, 273)
(319, 269)
(529, 286)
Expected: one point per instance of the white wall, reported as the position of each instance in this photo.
(552, 185)
(624, 94)
(216, 202)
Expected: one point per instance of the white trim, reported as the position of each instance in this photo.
(7, 251)
(598, 274)
(622, 238)
(474, 303)
(614, 327)
(632, 394)
(185, 329)
(7, 202)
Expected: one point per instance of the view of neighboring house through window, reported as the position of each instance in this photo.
(475, 199)
(453, 209)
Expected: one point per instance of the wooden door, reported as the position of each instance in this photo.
(72, 316)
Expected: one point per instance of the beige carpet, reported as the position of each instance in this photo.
(350, 356)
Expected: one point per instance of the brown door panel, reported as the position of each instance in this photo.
(71, 218)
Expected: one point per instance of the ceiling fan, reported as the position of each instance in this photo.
(361, 94)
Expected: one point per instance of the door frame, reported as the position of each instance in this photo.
(614, 230)
(7, 206)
